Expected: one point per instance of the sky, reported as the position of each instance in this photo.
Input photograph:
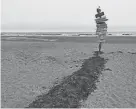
(65, 15)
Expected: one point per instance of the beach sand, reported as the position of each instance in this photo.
(31, 68)
(117, 86)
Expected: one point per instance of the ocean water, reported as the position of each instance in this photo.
(89, 32)
(79, 31)
(64, 34)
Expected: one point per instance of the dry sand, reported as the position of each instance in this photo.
(117, 86)
(32, 68)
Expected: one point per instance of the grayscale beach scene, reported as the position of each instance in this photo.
(68, 54)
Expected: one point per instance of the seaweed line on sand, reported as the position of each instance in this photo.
(74, 88)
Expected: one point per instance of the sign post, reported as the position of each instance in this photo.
(101, 27)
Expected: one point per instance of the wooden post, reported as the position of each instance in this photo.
(101, 26)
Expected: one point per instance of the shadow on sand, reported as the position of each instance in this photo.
(74, 88)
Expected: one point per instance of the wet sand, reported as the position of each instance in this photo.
(109, 39)
(32, 68)
(74, 88)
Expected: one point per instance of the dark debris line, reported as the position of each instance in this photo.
(73, 88)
